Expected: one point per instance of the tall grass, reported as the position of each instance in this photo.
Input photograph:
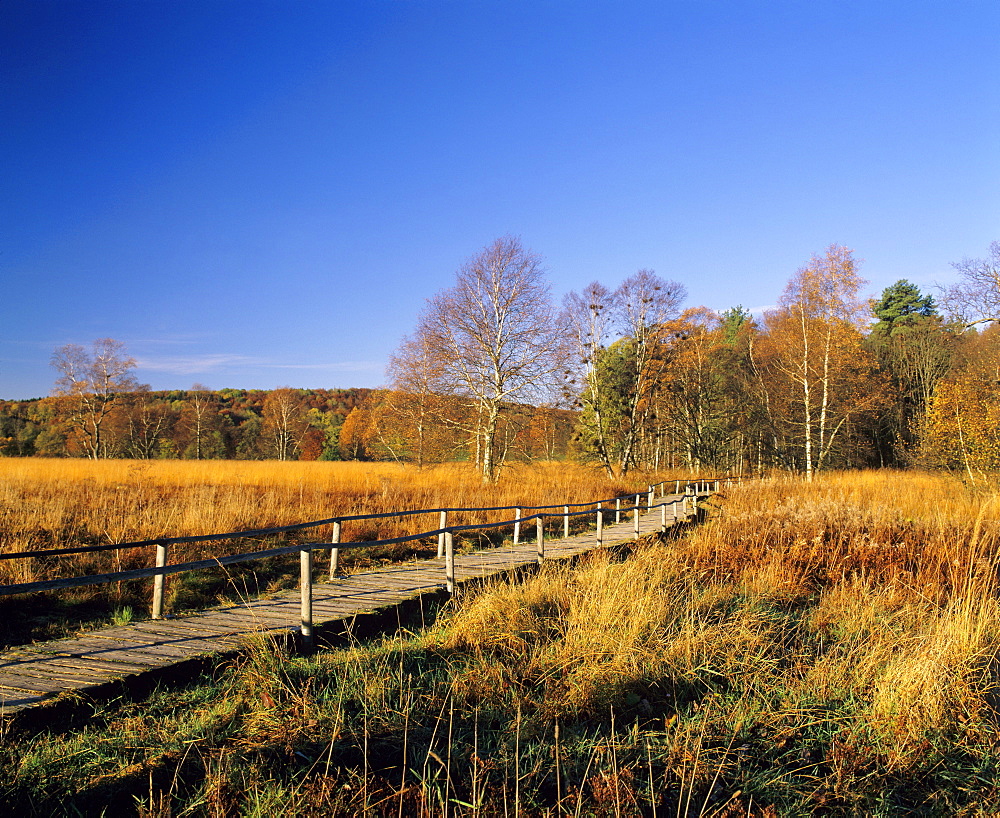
(825, 648)
(57, 503)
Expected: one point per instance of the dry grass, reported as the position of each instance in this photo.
(57, 503)
(826, 648)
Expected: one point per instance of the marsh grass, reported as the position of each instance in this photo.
(56, 503)
(825, 648)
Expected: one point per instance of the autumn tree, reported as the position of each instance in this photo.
(199, 416)
(962, 429)
(95, 382)
(283, 422)
(494, 340)
(702, 405)
(619, 379)
(419, 411)
(915, 348)
(149, 422)
(586, 319)
(811, 358)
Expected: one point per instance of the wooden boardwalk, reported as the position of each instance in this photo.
(31, 675)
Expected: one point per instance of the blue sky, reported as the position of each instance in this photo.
(253, 194)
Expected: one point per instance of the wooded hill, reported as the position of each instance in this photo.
(280, 424)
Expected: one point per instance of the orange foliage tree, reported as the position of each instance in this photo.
(814, 370)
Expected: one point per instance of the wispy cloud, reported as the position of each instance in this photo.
(194, 364)
(338, 366)
(213, 362)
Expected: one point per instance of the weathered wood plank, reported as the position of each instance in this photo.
(123, 668)
(33, 684)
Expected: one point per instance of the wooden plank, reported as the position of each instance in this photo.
(267, 618)
(245, 623)
(12, 700)
(152, 645)
(111, 650)
(123, 668)
(191, 629)
(203, 641)
(33, 684)
(394, 581)
(65, 677)
(73, 672)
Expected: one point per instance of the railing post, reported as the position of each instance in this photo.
(565, 522)
(618, 510)
(600, 525)
(306, 588)
(335, 552)
(158, 581)
(649, 499)
(635, 516)
(540, 534)
(677, 487)
(442, 523)
(517, 526)
(449, 561)
(663, 518)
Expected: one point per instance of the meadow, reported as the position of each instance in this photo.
(824, 648)
(60, 503)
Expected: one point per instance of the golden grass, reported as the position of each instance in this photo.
(813, 648)
(56, 503)
(860, 605)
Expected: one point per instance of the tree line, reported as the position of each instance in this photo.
(83, 420)
(826, 379)
(623, 375)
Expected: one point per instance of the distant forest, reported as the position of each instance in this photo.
(280, 424)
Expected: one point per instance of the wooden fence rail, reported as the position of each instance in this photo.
(685, 504)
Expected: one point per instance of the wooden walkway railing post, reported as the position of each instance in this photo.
(540, 534)
(306, 588)
(158, 581)
(649, 501)
(449, 561)
(635, 516)
(566, 522)
(442, 523)
(335, 552)
(600, 525)
(618, 510)
(663, 518)
(517, 526)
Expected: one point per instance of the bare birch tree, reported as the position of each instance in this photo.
(97, 380)
(493, 338)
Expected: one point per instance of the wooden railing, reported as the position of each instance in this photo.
(684, 505)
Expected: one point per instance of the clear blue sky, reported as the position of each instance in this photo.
(253, 194)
